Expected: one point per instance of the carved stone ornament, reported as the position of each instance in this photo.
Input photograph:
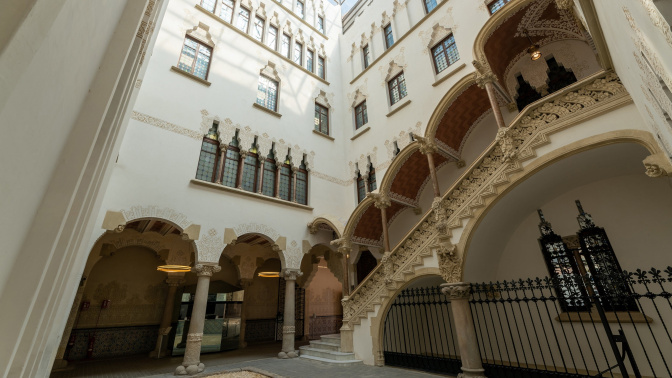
(206, 270)
(380, 200)
(427, 145)
(291, 274)
(450, 264)
(564, 4)
(388, 267)
(484, 73)
(458, 290)
(312, 228)
(288, 329)
(657, 165)
(194, 337)
(505, 140)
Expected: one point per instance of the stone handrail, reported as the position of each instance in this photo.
(504, 156)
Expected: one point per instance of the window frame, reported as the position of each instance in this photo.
(427, 10)
(288, 54)
(360, 184)
(321, 62)
(263, 28)
(396, 82)
(322, 110)
(255, 180)
(320, 24)
(217, 155)
(272, 27)
(371, 179)
(232, 8)
(236, 150)
(289, 182)
(249, 14)
(366, 53)
(195, 59)
(301, 15)
(214, 5)
(361, 108)
(277, 93)
(298, 47)
(444, 52)
(305, 191)
(269, 174)
(493, 2)
(310, 58)
(389, 42)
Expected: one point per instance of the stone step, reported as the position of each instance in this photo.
(326, 346)
(326, 354)
(331, 362)
(333, 339)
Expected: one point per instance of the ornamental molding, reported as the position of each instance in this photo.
(658, 20)
(432, 36)
(156, 122)
(206, 270)
(593, 96)
(257, 228)
(143, 212)
(210, 247)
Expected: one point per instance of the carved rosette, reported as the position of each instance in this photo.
(288, 329)
(506, 143)
(291, 274)
(458, 290)
(206, 270)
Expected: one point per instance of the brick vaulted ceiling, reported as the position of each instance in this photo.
(461, 115)
(544, 23)
(370, 226)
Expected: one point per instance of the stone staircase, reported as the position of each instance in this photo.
(328, 349)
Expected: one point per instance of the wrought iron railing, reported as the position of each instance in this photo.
(593, 95)
(524, 329)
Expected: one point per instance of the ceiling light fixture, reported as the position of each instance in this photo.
(174, 268)
(533, 50)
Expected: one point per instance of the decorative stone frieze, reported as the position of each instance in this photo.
(505, 140)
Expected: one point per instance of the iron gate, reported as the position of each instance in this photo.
(535, 327)
(419, 332)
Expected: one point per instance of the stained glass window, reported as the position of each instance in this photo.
(207, 161)
(230, 175)
(302, 185)
(397, 88)
(298, 53)
(250, 170)
(267, 93)
(268, 184)
(226, 11)
(272, 40)
(445, 53)
(286, 41)
(258, 28)
(320, 67)
(310, 56)
(195, 58)
(361, 118)
(285, 182)
(321, 119)
(389, 38)
(430, 5)
(243, 19)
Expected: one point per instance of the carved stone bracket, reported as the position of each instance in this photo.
(206, 270)
(458, 290)
(506, 142)
(450, 263)
(657, 165)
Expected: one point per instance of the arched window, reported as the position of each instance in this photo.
(230, 175)
(302, 184)
(372, 178)
(207, 161)
(285, 188)
(268, 185)
(250, 171)
(361, 188)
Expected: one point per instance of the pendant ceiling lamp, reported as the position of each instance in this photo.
(533, 50)
(269, 274)
(174, 268)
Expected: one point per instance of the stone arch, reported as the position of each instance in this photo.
(378, 321)
(443, 105)
(396, 165)
(289, 253)
(329, 221)
(639, 137)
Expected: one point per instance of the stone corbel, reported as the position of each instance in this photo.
(380, 200)
(657, 165)
(450, 263)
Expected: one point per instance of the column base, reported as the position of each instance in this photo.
(472, 373)
(189, 370)
(291, 354)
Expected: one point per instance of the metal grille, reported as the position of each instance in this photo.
(420, 332)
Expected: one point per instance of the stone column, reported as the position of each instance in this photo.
(245, 284)
(222, 159)
(192, 355)
(262, 161)
(278, 167)
(294, 170)
(366, 183)
(382, 202)
(173, 282)
(485, 80)
(60, 363)
(241, 168)
(458, 294)
(288, 325)
(428, 148)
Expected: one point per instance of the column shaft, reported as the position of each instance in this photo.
(241, 168)
(220, 165)
(386, 235)
(166, 320)
(288, 325)
(432, 172)
(490, 88)
(261, 176)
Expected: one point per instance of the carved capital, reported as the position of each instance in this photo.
(223, 147)
(380, 200)
(427, 145)
(657, 165)
(564, 4)
(458, 290)
(484, 74)
(291, 274)
(206, 270)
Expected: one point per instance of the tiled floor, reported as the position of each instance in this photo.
(262, 357)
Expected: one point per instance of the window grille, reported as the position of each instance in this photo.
(231, 163)
(267, 93)
(445, 54)
(321, 119)
(302, 185)
(208, 159)
(268, 185)
(397, 88)
(389, 38)
(285, 188)
(361, 118)
(243, 19)
(250, 172)
(195, 58)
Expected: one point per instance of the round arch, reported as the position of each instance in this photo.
(453, 93)
(639, 137)
(328, 221)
